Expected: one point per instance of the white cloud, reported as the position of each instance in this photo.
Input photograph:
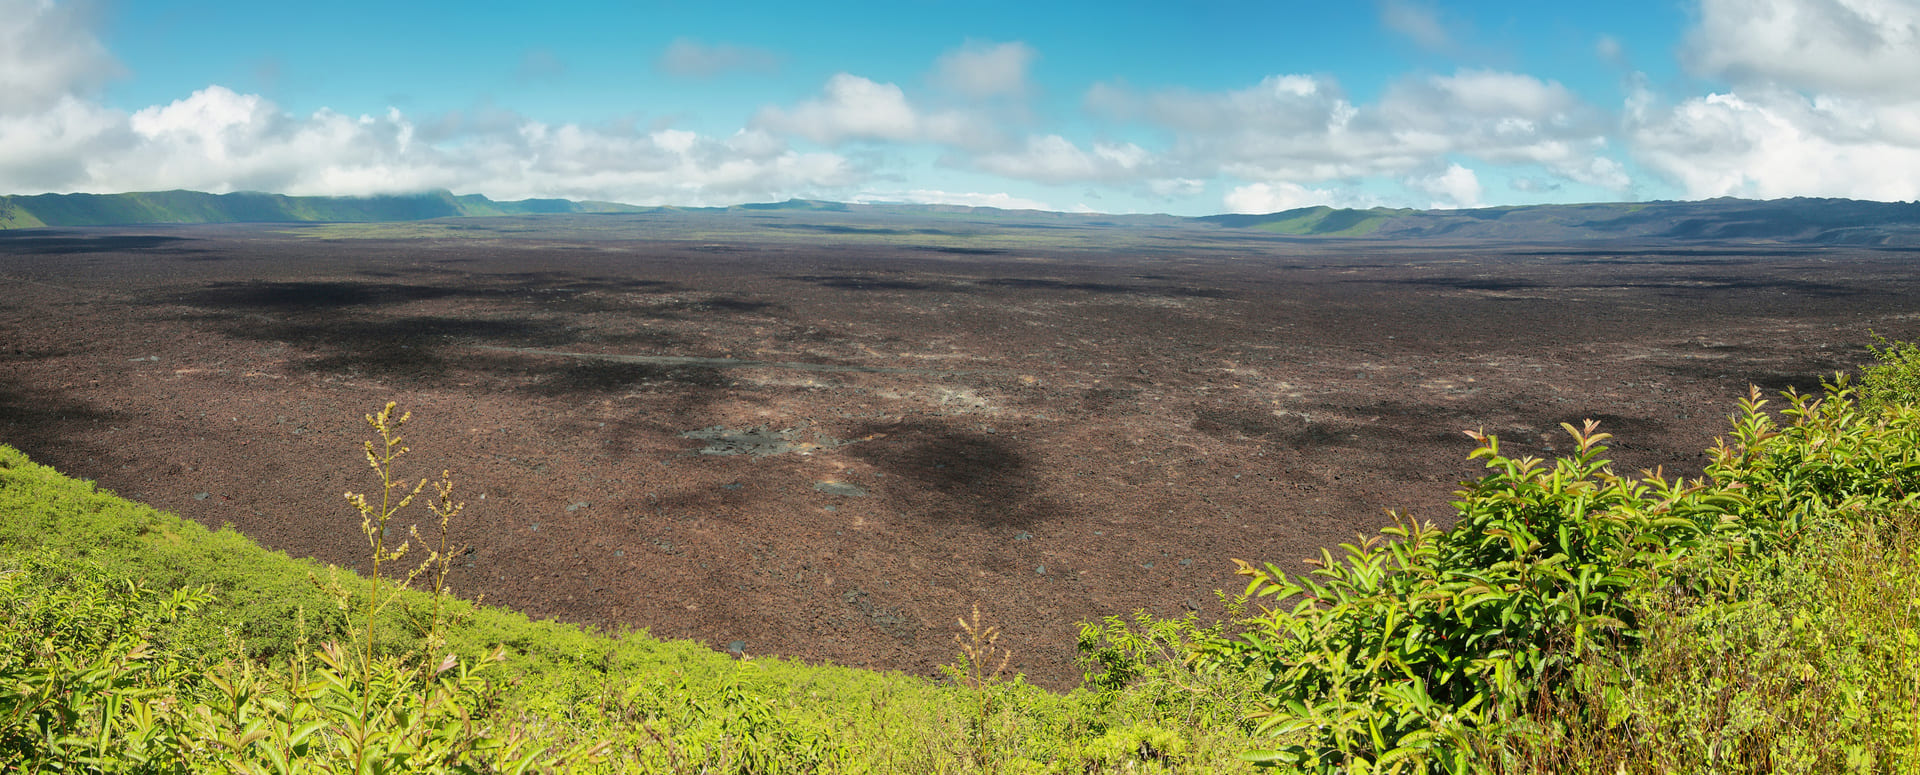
(851, 108)
(1822, 102)
(50, 150)
(1868, 47)
(694, 59)
(1002, 200)
(1301, 129)
(678, 141)
(219, 140)
(980, 70)
(1777, 142)
(1275, 197)
(1279, 103)
(1480, 95)
(1289, 137)
(1454, 187)
(47, 54)
(1055, 159)
(1811, 97)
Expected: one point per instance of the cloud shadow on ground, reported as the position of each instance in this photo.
(957, 472)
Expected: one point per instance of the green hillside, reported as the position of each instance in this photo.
(1318, 221)
(1803, 221)
(101, 596)
(254, 207)
(1800, 220)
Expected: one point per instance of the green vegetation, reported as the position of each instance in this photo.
(12, 217)
(1762, 618)
(1317, 221)
(1326, 222)
(964, 229)
(1564, 589)
(254, 207)
(131, 639)
(1894, 376)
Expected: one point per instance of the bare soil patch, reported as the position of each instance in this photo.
(1054, 430)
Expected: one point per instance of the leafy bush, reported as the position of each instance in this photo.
(1809, 665)
(1894, 376)
(79, 662)
(1421, 649)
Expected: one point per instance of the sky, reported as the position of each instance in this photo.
(1188, 108)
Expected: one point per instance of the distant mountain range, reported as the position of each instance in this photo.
(1814, 221)
(21, 212)
(1797, 221)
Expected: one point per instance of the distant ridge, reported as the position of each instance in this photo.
(1786, 221)
(21, 212)
(1798, 220)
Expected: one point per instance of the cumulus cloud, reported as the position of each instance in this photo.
(1302, 129)
(849, 108)
(981, 70)
(1055, 159)
(1810, 97)
(1869, 47)
(1775, 142)
(1275, 197)
(1454, 187)
(1820, 101)
(53, 150)
(220, 140)
(694, 59)
(1288, 138)
(54, 138)
(48, 53)
(1002, 200)
(854, 108)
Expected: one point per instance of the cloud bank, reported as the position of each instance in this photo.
(1807, 98)
(1821, 101)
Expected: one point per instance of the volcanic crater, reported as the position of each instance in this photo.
(829, 443)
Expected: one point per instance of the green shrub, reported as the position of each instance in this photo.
(82, 655)
(1811, 665)
(1894, 376)
(1420, 648)
(1423, 650)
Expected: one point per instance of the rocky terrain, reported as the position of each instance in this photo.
(827, 435)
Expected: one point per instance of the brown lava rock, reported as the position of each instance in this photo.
(1055, 432)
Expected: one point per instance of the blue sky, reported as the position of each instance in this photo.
(1188, 108)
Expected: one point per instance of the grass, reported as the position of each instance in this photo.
(1762, 618)
(1810, 665)
(353, 679)
(254, 207)
(1327, 222)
